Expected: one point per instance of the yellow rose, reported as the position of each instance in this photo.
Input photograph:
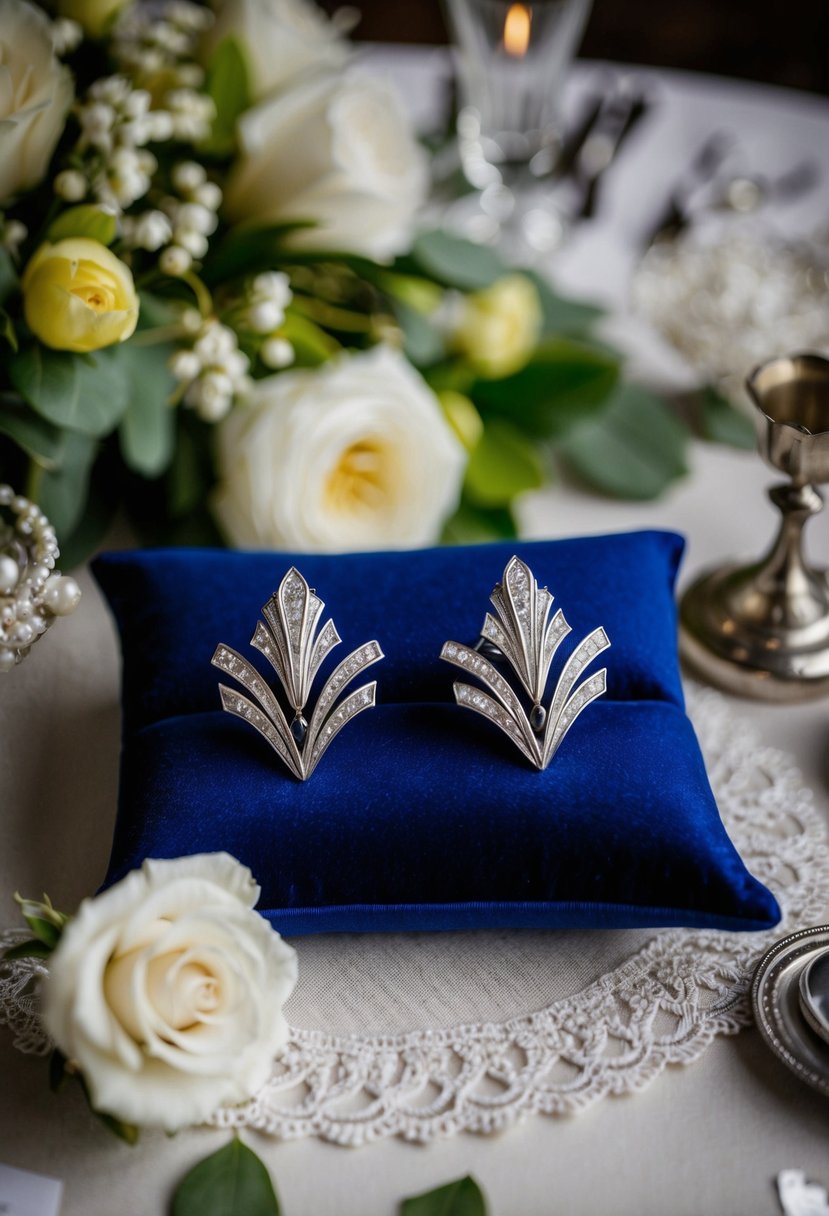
(79, 296)
(499, 327)
(95, 16)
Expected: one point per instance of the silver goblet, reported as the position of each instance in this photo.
(762, 630)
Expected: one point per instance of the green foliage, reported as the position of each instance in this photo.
(62, 491)
(43, 919)
(460, 1198)
(228, 84)
(37, 437)
(230, 1182)
(85, 393)
(250, 249)
(9, 281)
(147, 430)
(30, 949)
(565, 382)
(569, 318)
(312, 345)
(634, 449)
(86, 220)
(502, 465)
(456, 262)
(422, 339)
(721, 422)
(474, 525)
(7, 331)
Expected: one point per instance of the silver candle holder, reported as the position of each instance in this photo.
(762, 630)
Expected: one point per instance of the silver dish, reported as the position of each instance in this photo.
(814, 994)
(775, 998)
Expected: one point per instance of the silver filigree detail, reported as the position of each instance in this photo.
(291, 639)
(528, 640)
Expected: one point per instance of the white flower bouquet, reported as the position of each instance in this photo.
(217, 316)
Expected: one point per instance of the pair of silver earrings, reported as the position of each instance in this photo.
(521, 634)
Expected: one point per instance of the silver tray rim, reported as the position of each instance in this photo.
(765, 1005)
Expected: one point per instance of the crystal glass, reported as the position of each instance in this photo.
(511, 62)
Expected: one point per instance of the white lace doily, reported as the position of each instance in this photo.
(425, 1035)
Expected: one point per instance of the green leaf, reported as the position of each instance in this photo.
(460, 1198)
(571, 318)
(423, 341)
(455, 261)
(722, 422)
(37, 437)
(564, 383)
(312, 345)
(7, 331)
(88, 221)
(246, 250)
(147, 431)
(87, 535)
(189, 477)
(62, 492)
(228, 84)
(30, 949)
(9, 280)
(471, 525)
(231, 1182)
(86, 393)
(502, 465)
(633, 450)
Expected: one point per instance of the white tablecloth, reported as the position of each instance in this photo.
(706, 1139)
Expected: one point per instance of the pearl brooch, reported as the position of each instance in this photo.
(32, 592)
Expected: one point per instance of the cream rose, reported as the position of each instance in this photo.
(498, 328)
(338, 150)
(35, 95)
(79, 296)
(355, 455)
(282, 40)
(166, 991)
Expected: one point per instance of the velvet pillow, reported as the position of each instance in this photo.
(421, 815)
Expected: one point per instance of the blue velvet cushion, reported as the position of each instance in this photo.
(422, 815)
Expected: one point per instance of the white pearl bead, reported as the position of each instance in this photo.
(9, 574)
(22, 635)
(7, 616)
(62, 595)
(6, 660)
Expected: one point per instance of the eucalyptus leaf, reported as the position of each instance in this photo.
(502, 465)
(570, 318)
(86, 393)
(228, 84)
(460, 1198)
(423, 340)
(634, 450)
(230, 1182)
(62, 492)
(722, 422)
(37, 437)
(455, 261)
(86, 220)
(147, 430)
(564, 383)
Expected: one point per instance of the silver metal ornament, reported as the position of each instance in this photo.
(523, 633)
(293, 643)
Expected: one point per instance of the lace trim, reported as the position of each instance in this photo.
(664, 1005)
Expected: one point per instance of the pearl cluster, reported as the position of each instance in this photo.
(32, 592)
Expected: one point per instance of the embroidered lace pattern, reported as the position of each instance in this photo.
(662, 1005)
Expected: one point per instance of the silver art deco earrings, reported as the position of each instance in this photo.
(523, 635)
(520, 635)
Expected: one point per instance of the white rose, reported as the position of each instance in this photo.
(282, 39)
(35, 95)
(338, 150)
(166, 991)
(355, 455)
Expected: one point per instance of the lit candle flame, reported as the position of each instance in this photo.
(517, 30)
